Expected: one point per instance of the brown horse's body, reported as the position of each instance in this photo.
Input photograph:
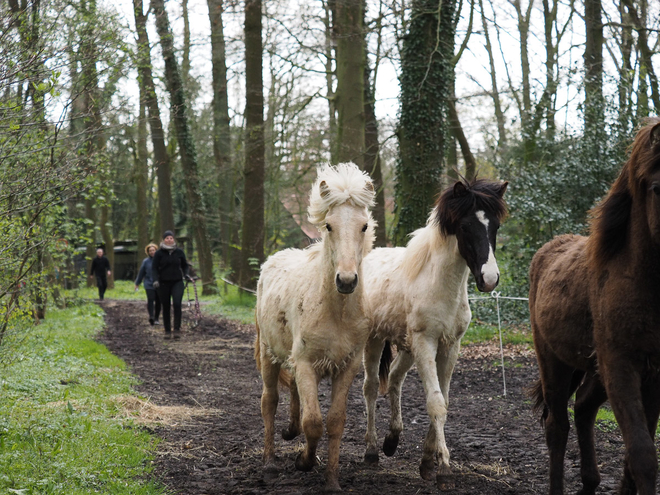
(595, 313)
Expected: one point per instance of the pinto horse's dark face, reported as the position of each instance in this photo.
(477, 235)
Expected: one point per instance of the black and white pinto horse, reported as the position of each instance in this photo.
(416, 298)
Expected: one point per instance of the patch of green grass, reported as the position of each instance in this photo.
(60, 431)
(231, 303)
(479, 332)
(124, 289)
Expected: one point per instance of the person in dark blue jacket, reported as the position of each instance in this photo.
(168, 270)
(153, 302)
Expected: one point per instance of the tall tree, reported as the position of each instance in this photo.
(593, 65)
(328, 7)
(161, 156)
(221, 130)
(187, 150)
(426, 74)
(252, 242)
(350, 81)
(141, 177)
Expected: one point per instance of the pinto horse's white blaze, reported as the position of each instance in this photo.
(489, 270)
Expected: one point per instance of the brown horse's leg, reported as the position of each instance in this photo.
(270, 373)
(556, 380)
(336, 420)
(312, 421)
(589, 397)
(294, 428)
(372, 354)
(624, 390)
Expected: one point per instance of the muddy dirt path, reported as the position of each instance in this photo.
(203, 401)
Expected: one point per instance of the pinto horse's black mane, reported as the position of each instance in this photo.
(456, 202)
(610, 218)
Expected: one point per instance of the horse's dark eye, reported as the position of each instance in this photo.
(656, 189)
(327, 226)
(366, 226)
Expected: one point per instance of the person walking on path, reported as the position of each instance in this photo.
(168, 269)
(145, 274)
(100, 268)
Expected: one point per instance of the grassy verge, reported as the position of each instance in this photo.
(60, 429)
(483, 332)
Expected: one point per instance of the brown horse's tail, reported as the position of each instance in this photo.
(538, 407)
(285, 377)
(384, 367)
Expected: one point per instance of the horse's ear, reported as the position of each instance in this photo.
(460, 189)
(655, 136)
(369, 186)
(324, 189)
(502, 189)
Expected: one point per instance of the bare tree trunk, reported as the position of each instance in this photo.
(108, 241)
(187, 151)
(221, 131)
(329, 79)
(639, 22)
(252, 243)
(457, 129)
(625, 84)
(350, 82)
(499, 114)
(185, 59)
(593, 62)
(141, 177)
(372, 163)
(161, 156)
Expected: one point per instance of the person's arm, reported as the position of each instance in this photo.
(106, 262)
(155, 276)
(141, 274)
(184, 265)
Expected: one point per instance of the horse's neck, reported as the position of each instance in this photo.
(643, 255)
(436, 256)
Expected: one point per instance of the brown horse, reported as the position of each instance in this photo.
(595, 313)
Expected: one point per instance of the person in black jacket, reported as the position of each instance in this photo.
(168, 269)
(100, 268)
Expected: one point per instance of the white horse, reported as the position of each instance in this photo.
(310, 317)
(416, 297)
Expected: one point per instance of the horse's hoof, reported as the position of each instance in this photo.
(302, 465)
(271, 471)
(390, 444)
(289, 433)
(427, 469)
(332, 487)
(444, 479)
(371, 458)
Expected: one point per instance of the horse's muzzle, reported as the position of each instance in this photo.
(344, 287)
(485, 287)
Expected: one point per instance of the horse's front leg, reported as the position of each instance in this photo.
(445, 362)
(426, 349)
(623, 383)
(400, 367)
(372, 355)
(336, 420)
(312, 421)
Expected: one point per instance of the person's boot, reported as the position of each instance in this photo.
(177, 333)
(168, 334)
(151, 322)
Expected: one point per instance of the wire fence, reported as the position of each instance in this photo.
(497, 296)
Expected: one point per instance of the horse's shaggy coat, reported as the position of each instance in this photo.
(416, 298)
(309, 315)
(595, 317)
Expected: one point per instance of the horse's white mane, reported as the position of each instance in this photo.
(341, 183)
